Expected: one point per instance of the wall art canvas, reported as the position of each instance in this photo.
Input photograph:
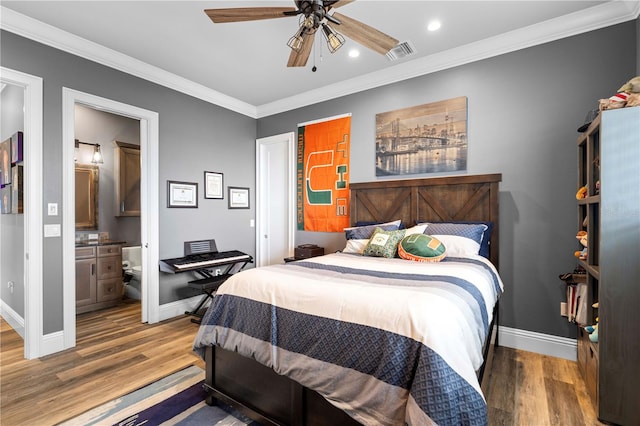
(17, 189)
(16, 148)
(323, 174)
(5, 162)
(429, 138)
(5, 199)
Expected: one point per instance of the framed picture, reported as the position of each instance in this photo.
(238, 198)
(213, 185)
(17, 189)
(16, 148)
(428, 138)
(5, 201)
(5, 162)
(182, 194)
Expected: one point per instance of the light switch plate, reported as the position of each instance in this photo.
(52, 209)
(52, 230)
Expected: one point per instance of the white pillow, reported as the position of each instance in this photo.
(418, 229)
(356, 246)
(458, 246)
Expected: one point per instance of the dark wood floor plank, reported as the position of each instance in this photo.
(561, 395)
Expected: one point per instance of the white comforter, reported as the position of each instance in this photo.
(388, 341)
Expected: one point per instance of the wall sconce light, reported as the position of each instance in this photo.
(335, 40)
(96, 157)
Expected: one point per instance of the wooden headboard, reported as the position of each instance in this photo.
(451, 198)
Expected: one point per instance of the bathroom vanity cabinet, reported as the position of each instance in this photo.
(98, 276)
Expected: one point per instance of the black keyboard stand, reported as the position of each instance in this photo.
(209, 283)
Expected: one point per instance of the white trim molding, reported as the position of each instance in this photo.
(545, 344)
(178, 307)
(12, 318)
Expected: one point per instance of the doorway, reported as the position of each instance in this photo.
(275, 198)
(30, 323)
(149, 136)
(107, 203)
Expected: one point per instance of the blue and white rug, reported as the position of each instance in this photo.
(177, 399)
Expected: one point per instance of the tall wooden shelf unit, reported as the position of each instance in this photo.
(609, 155)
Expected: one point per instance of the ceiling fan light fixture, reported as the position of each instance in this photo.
(335, 40)
(295, 42)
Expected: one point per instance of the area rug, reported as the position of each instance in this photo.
(178, 399)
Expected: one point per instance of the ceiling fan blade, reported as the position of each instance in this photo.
(341, 3)
(299, 59)
(248, 13)
(363, 34)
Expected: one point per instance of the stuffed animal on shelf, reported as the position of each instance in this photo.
(593, 329)
(619, 100)
(631, 86)
(593, 332)
(628, 96)
(582, 192)
(582, 237)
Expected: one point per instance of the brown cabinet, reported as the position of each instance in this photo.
(85, 276)
(98, 277)
(608, 164)
(127, 175)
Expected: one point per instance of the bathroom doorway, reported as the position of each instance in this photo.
(113, 213)
(149, 137)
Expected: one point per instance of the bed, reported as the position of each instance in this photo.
(352, 339)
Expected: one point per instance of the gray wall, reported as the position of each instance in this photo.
(12, 225)
(194, 136)
(523, 112)
(94, 126)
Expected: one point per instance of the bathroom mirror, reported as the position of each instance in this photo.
(86, 196)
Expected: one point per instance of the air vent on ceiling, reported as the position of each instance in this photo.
(402, 50)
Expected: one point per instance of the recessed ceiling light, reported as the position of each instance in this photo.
(434, 25)
(353, 53)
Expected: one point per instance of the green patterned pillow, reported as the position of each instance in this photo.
(384, 243)
(421, 248)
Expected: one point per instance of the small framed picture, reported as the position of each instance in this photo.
(238, 198)
(182, 194)
(213, 185)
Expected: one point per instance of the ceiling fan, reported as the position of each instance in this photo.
(314, 14)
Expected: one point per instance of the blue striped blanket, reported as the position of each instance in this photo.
(388, 341)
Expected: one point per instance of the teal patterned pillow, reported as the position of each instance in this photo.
(384, 243)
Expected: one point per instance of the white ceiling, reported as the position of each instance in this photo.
(242, 66)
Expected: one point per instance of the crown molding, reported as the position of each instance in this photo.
(593, 18)
(49, 35)
(590, 19)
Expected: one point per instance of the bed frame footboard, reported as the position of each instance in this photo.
(263, 395)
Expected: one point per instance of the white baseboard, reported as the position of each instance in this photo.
(545, 344)
(10, 316)
(179, 307)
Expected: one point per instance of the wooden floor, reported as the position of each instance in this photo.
(116, 354)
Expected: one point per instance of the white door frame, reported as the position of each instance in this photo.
(149, 147)
(262, 205)
(32, 85)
